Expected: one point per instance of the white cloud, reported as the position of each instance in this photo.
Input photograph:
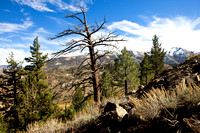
(6, 10)
(35, 4)
(19, 55)
(176, 32)
(43, 37)
(5, 40)
(41, 30)
(13, 27)
(42, 5)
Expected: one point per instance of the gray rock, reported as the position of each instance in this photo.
(121, 112)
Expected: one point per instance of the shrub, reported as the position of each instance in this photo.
(3, 125)
(78, 98)
(68, 113)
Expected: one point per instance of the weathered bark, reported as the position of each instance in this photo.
(126, 88)
(95, 77)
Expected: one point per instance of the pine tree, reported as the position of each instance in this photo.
(157, 56)
(126, 71)
(145, 70)
(37, 60)
(106, 85)
(78, 98)
(10, 88)
(35, 101)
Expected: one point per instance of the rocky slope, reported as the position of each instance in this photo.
(187, 71)
(172, 110)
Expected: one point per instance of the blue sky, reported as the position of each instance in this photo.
(175, 22)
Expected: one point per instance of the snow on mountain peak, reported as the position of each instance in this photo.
(177, 51)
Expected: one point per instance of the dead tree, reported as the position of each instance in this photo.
(88, 41)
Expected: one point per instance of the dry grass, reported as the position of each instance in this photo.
(50, 126)
(115, 99)
(85, 116)
(157, 100)
(90, 113)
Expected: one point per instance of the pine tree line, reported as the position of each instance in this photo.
(125, 74)
(25, 95)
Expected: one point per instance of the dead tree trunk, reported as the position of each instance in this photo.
(95, 77)
(86, 31)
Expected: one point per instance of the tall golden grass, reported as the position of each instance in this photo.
(156, 100)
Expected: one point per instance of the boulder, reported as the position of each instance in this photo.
(120, 111)
(111, 117)
(126, 103)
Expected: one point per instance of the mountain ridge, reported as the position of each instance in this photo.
(174, 56)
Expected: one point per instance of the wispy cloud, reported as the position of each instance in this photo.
(13, 45)
(35, 4)
(5, 39)
(13, 27)
(179, 31)
(42, 5)
(6, 10)
(59, 21)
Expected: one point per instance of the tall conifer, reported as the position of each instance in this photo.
(157, 56)
(106, 85)
(145, 70)
(126, 71)
(35, 100)
(10, 87)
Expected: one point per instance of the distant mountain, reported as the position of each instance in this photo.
(73, 61)
(2, 66)
(173, 57)
(179, 54)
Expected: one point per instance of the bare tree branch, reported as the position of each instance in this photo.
(75, 16)
(69, 32)
(99, 27)
(86, 31)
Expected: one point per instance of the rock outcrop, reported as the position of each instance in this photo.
(188, 72)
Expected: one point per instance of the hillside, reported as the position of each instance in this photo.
(173, 57)
(187, 71)
(175, 109)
